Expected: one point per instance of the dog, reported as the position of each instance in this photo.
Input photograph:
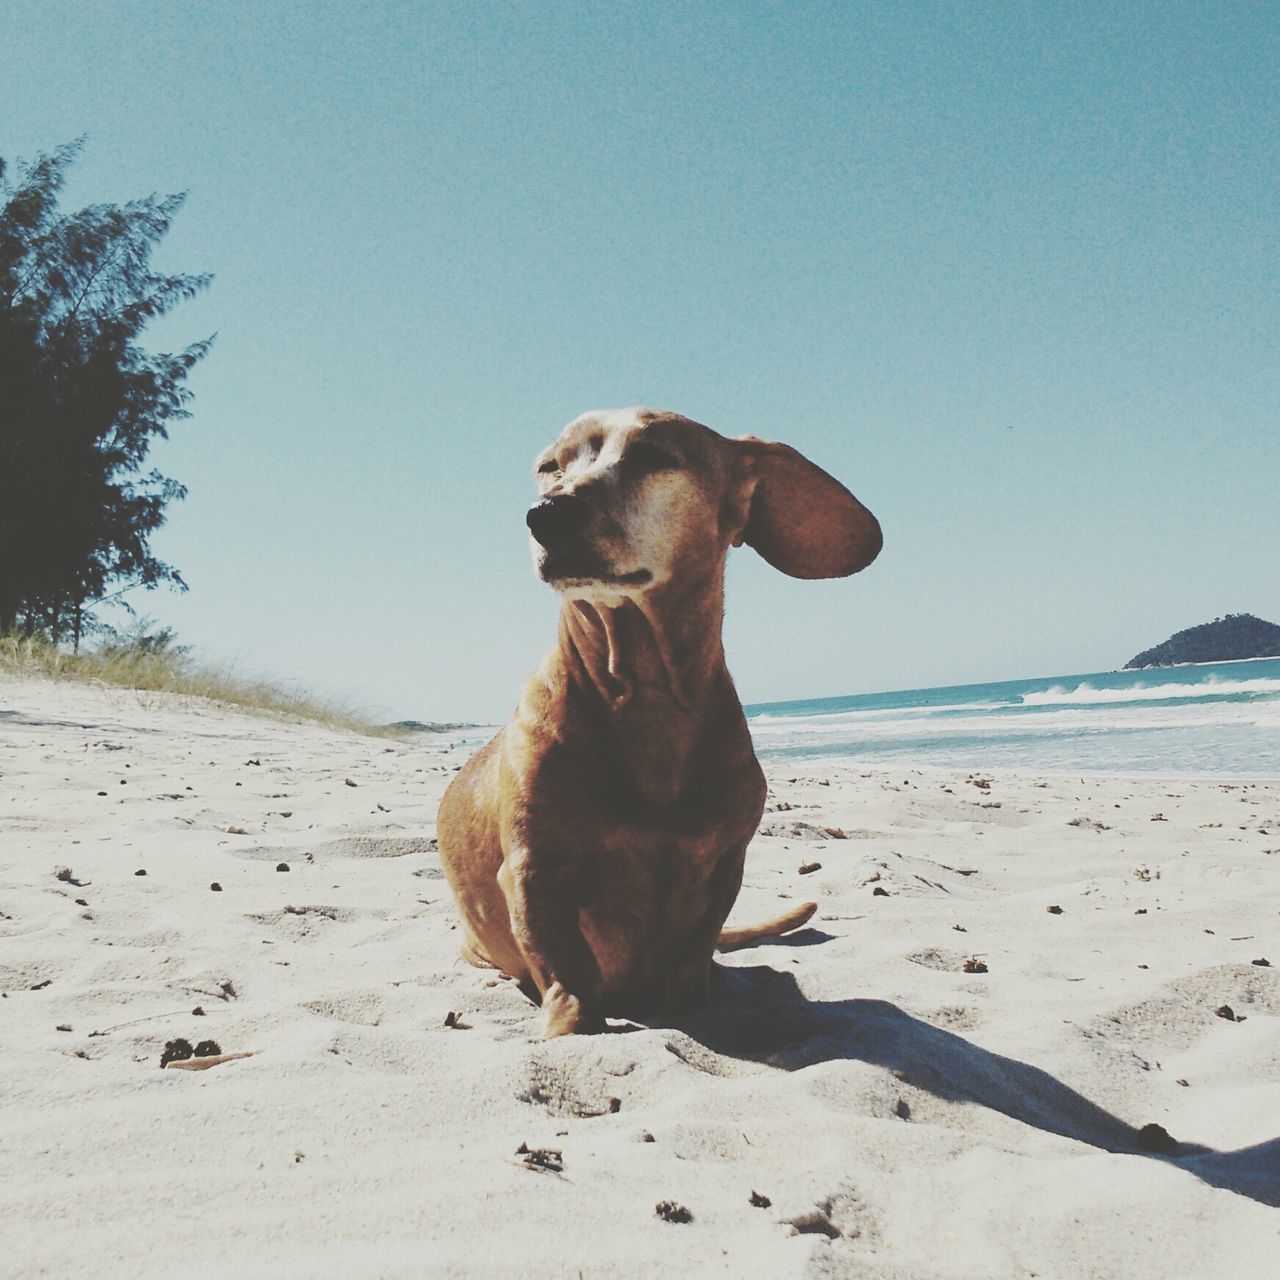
(595, 846)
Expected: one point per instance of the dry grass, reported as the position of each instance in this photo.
(173, 671)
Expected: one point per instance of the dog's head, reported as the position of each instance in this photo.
(631, 499)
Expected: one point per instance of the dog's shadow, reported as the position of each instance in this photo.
(760, 1014)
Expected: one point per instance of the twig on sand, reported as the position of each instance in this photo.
(199, 1064)
(151, 1017)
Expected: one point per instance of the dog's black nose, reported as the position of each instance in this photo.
(555, 520)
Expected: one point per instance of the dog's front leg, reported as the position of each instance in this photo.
(542, 896)
(689, 985)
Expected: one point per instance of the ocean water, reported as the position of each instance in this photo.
(1208, 719)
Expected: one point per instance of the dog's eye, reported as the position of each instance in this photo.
(548, 468)
(649, 457)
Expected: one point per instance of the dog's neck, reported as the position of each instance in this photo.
(646, 672)
(645, 651)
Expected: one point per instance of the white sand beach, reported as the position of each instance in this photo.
(856, 1103)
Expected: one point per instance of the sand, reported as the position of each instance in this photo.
(946, 1076)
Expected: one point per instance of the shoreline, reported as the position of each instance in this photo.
(900, 1115)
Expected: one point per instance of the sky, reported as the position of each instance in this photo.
(1008, 270)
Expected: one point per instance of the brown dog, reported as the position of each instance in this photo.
(596, 845)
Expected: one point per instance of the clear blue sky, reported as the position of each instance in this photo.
(1008, 270)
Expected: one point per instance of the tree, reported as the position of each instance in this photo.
(81, 402)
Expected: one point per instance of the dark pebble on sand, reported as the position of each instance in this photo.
(808, 868)
(1055, 910)
(974, 965)
(141, 871)
(282, 866)
(1154, 1137)
(669, 1211)
(207, 1049)
(176, 1051)
(878, 892)
(197, 1012)
(215, 887)
(1262, 963)
(1226, 1012)
(102, 793)
(759, 1201)
(81, 902)
(63, 1026)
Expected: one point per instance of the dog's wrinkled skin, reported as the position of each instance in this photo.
(596, 845)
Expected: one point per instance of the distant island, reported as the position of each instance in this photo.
(1238, 635)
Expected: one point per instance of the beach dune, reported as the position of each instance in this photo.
(1034, 1028)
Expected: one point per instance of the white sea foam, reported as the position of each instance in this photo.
(1126, 719)
(768, 719)
(1210, 688)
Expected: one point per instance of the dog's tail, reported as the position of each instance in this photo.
(731, 939)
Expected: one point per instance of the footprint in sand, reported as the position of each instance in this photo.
(582, 1081)
(363, 1008)
(943, 961)
(310, 921)
(346, 847)
(1183, 1011)
(843, 1215)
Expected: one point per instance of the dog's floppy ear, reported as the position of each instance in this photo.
(802, 520)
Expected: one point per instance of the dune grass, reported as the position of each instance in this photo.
(168, 668)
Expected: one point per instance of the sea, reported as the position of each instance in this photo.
(1218, 720)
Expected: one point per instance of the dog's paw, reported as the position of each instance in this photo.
(566, 1015)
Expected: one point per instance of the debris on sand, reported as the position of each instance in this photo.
(543, 1159)
(670, 1211)
(1156, 1138)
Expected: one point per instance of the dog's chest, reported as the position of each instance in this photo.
(647, 902)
